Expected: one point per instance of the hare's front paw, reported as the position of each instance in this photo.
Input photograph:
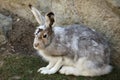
(48, 71)
(43, 68)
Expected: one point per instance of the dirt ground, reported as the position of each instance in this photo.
(20, 38)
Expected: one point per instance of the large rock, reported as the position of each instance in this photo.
(102, 15)
(5, 26)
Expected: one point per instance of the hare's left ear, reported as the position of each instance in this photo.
(49, 19)
(37, 15)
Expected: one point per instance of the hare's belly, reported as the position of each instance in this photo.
(68, 62)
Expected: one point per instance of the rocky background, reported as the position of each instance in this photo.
(17, 23)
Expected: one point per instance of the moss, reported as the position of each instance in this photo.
(22, 67)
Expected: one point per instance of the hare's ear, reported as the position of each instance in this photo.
(49, 19)
(37, 15)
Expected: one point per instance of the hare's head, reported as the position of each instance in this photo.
(44, 33)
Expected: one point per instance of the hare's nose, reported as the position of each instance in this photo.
(36, 44)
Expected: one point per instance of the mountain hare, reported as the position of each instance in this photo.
(73, 50)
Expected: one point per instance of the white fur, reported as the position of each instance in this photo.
(40, 27)
(54, 64)
(54, 68)
(85, 33)
(75, 43)
(46, 57)
(58, 30)
(82, 67)
(69, 70)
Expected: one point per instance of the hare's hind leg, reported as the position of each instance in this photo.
(91, 68)
(69, 70)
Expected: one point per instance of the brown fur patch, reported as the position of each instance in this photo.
(50, 19)
(48, 31)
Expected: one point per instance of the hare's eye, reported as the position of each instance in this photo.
(45, 35)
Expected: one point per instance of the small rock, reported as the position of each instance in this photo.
(1, 63)
(5, 27)
(2, 49)
(15, 78)
(2, 40)
(18, 19)
(5, 23)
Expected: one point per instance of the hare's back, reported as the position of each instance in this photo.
(80, 40)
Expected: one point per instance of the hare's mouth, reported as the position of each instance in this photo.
(38, 46)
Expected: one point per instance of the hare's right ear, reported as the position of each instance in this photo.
(49, 19)
(37, 15)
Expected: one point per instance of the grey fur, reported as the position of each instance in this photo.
(88, 44)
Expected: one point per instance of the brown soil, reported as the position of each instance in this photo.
(20, 38)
